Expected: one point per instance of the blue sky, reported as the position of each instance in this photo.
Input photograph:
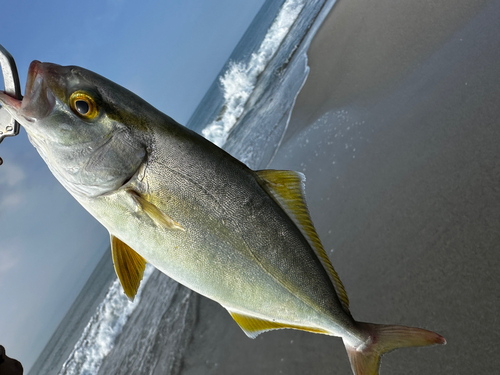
(167, 52)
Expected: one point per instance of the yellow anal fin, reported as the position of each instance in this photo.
(253, 326)
(154, 213)
(287, 189)
(129, 266)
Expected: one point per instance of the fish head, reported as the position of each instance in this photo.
(91, 132)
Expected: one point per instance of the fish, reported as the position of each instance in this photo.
(171, 198)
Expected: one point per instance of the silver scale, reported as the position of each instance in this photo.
(8, 125)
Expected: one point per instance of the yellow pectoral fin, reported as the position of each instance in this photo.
(129, 266)
(253, 326)
(154, 213)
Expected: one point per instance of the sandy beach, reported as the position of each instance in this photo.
(396, 130)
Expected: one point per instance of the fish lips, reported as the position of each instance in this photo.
(39, 101)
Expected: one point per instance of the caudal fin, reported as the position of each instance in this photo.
(365, 359)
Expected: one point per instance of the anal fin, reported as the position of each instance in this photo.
(253, 326)
(129, 266)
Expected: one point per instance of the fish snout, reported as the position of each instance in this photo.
(34, 69)
(39, 99)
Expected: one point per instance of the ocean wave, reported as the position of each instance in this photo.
(100, 334)
(239, 80)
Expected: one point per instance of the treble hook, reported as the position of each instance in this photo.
(8, 125)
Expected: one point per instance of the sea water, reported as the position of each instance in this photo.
(246, 111)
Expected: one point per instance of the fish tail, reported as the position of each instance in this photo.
(365, 359)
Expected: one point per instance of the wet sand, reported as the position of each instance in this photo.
(397, 132)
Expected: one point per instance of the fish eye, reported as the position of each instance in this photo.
(83, 105)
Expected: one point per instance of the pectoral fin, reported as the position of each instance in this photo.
(129, 266)
(154, 213)
(253, 326)
(287, 189)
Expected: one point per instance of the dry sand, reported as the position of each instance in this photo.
(397, 130)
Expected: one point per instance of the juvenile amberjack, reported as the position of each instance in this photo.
(171, 198)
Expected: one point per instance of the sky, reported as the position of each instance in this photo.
(167, 52)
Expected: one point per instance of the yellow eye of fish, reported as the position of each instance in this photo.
(83, 105)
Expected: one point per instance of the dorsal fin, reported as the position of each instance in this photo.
(154, 212)
(287, 189)
(129, 266)
(253, 326)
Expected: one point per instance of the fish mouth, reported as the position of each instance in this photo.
(38, 99)
(14, 105)
(34, 70)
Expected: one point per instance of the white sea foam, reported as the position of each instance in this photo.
(238, 82)
(99, 335)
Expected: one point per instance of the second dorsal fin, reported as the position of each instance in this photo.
(287, 189)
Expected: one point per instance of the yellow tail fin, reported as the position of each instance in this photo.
(365, 359)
